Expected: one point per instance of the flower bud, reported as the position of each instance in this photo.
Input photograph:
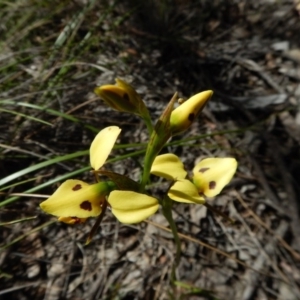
(183, 116)
(121, 97)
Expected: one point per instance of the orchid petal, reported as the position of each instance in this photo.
(131, 207)
(212, 174)
(75, 198)
(186, 192)
(102, 146)
(168, 166)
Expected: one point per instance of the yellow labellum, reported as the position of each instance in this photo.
(186, 192)
(102, 146)
(131, 207)
(168, 166)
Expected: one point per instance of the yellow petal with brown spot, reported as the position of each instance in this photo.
(76, 199)
(212, 174)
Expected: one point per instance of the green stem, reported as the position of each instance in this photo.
(145, 177)
(167, 211)
(158, 139)
(148, 123)
(147, 164)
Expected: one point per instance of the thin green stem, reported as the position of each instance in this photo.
(158, 139)
(147, 166)
(167, 212)
(148, 123)
(145, 178)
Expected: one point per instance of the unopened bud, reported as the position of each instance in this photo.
(121, 97)
(183, 116)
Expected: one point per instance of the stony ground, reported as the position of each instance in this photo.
(248, 52)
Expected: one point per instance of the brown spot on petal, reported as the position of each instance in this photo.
(126, 97)
(86, 205)
(202, 170)
(76, 187)
(212, 185)
(191, 117)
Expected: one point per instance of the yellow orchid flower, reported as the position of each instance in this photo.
(209, 177)
(129, 207)
(75, 200)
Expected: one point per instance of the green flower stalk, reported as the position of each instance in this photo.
(158, 139)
